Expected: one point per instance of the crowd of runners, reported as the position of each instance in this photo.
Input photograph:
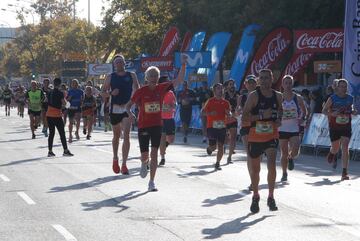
(267, 119)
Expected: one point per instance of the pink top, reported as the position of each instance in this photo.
(169, 106)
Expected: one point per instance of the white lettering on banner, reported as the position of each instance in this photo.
(318, 132)
(149, 63)
(242, 57)
(330, 40)
(301, 60)
(198, 58)
(171, 45)
(276, 46)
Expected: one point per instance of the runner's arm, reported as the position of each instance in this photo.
(249, 105)
(180, 78)
(326, 108)
(106, 87)
(136, 84)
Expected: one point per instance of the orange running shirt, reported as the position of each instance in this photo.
(219, 107)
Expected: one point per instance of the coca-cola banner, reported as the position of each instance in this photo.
(271, 49)
(320, 40)
(295, 66)
(163, 63)
(170, 42)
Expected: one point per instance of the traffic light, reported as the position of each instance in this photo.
(33, 76)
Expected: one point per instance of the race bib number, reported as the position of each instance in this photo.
(152, 107)
(290, 114)
(342, 120)
(264, 127)
(166, 108)
(118, 109)
(218, 124)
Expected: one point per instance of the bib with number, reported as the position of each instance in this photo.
(152, 107)
(264, 127)
(290, 114)
(342, 119)
(218, 124)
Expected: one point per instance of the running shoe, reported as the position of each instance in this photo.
(151, 187)
(144, 169)
(272, 204)
(330, 157)
(50, 154)
(217, 166)
(208, 151)
(115, 166)
(284, 177)
(254, 208)
(124, 170)
(67, 153)
(84, 131)
(344, 177)
(88, 137)
(229, 161)
(291, 164)
(162, 162)
(33, 136)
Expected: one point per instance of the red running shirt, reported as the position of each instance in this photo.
(149, 103)
(219, 107)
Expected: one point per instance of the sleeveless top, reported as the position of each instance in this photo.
(344, 107)
(266, 129)
(291, 115)
(125, 86)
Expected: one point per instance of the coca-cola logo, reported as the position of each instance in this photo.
(319, 41)
(300, 62)
(275, 48)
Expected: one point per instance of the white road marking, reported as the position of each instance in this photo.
(26, 198)
(4, 178)
(66, 234)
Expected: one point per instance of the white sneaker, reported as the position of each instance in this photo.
(144, 169)
(151, 187)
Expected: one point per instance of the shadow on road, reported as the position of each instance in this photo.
(22, 161)
(324, 182)
(115, 202)
(223, 200)
(16, 140)
(93, 183)
(235, 226)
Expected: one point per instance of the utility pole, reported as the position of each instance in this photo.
(89, 12)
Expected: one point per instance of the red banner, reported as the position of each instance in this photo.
(271, 49)
(186, 42)
(322, 40)
(163, 63)
(170, 42)
(295, 66)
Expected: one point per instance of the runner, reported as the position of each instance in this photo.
(293, 109)
(75, 96)
(186, 98)
(34, 99)
(231, 121)
(167, 115)
(21, 100)
(7, 96)
(263, 110)
(250, 85)
(149, 100)
(88, 107)
(216, 109)
(339, 108)
(64, 90)
(54, 117)
(120, 85)
(204, 94)
(45, 89)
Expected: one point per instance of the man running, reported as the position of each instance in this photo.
(167, 115)
(216, 109)
(250, 85)
(34, 99)
(149, 100)
(263, 109)
(231, 122)
(339, 108)
(45, 89)
(7, 97)
(20, 95)
(56, 101)
(293, 109)
(120, 85)
(87, 108)
(186, 98)
(75, 96)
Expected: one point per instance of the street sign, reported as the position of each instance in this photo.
(195, 59)
(329, 66)
(198, 78)
(100, 69)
